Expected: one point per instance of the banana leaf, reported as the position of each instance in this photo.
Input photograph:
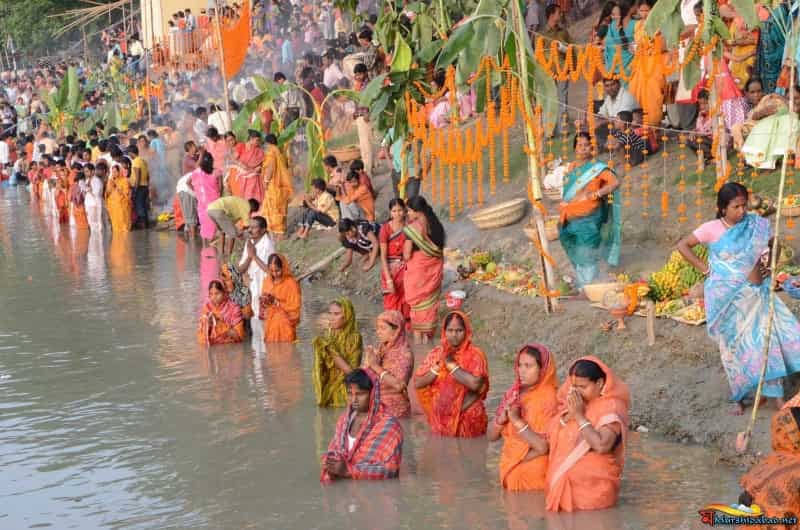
(671, 29)
(288, 133)
(401, 61)
(460, 39)
(691, 72)
(74, 95)
(372, 89)
(662, 12)
(316, 152)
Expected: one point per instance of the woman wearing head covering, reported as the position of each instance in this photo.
(277, 183)
(587, 439)
(368, 443)
(772, 482)
(242, 175)
(281, 301)
(393, 361)
(336, 354)
(221, 320)
(523, 417)
(453, 381)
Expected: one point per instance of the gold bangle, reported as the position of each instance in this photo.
(584, 425)
(454, 370)
(434, 372)
(522, 430)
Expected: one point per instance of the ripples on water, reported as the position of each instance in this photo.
(111, 415)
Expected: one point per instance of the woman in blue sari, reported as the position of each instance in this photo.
(737, 291)
(771, 43)
(620, 35)
(590, 227)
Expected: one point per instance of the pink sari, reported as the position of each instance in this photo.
(247, 173)
(206, 187)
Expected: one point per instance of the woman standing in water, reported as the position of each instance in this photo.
(281, 301)
(118, 200)
(453, 381)
(587, 439)
(336, 354)
(221, 320)
(737, 291)
(523, 416)
(393, 361)
(206, 187)
(392, 239)
(422, 253)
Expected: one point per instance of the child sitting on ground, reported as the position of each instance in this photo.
(361, 237)
(622, 135)
(318, 206)
(647, 133)
(701, 138)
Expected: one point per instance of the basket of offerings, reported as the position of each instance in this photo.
(346, 153)
(595, 292)
(499, 215)
(791, 206)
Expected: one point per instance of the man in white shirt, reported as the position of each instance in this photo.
(254, 259)
(333, 74)
(200, 126)
(4, 153)
(94, 199)
(617, 99)
(219, 119)
(188, 202)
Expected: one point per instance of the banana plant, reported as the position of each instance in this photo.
(64, 106)
(249, 116)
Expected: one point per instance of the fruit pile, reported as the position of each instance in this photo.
(677, 276)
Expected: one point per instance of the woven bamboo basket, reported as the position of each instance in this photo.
(499, 215)
(346, 154)
(790, 211)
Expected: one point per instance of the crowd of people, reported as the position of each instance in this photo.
(566, 440)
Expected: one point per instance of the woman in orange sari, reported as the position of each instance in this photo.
(118, 200)
(281, 301)
(62, 195)
(422, 253)
(587, 439)
(648, 78)
(453, 381)
(523, 417)
(772, 482)
(221, 320)
(277, 184)
(243, 175)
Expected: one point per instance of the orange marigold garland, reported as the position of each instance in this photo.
(682, 218)
(664, 193)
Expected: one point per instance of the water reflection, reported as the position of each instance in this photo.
(130, 423)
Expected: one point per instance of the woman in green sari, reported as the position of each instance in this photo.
(336, 354)
(590, 226)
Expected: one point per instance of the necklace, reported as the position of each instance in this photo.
(724, 222)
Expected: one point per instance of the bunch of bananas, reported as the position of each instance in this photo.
(677, 276)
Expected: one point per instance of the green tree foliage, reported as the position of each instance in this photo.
(29, 23)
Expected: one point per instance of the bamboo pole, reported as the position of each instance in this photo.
(743, 438)
(222, 64)
(547, 270)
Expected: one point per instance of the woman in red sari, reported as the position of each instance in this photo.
(393, 361)
(392, 239)
(368, 443)
(244, 175)
(453, 381)
(422, 253)
(523, 417)
(221, 320)
(587, 439)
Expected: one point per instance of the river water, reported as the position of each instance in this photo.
(112, 416)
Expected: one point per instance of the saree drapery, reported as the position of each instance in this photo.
(737, 312)
(423, 280)
(590, 230)
(648, 79)
(398, 360)
(378, 448)
(244, 177)
(579, 478)
(346, 342)
(773, 482)
(539, 405)
(442, 401)
(118, 203)
(221, 324)
(394, 299)
(281, 319)
(277, 189)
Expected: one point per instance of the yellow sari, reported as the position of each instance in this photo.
(277, 189)
(118, 202)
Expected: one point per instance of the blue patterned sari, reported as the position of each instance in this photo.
(598, 236)
(738, 310)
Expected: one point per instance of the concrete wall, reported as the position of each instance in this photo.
(160, 11)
